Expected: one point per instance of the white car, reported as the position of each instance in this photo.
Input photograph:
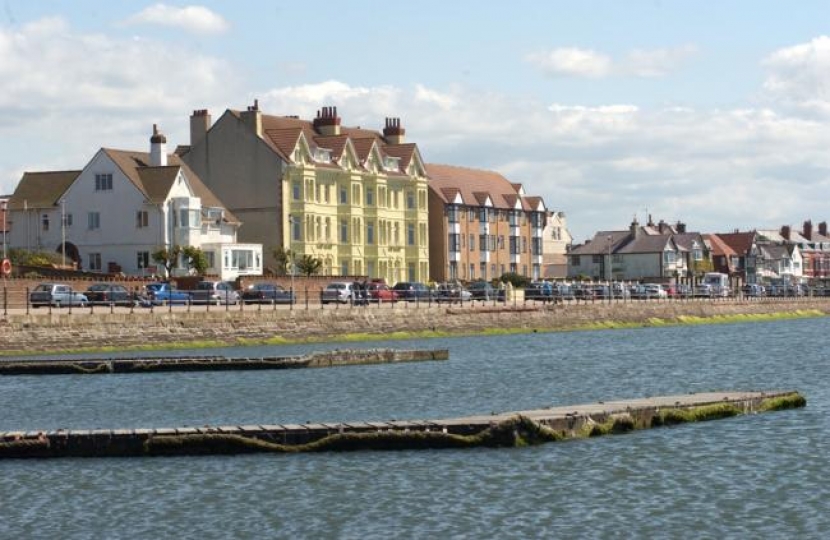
(338, 292)
(651, 290)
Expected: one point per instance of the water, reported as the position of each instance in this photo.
(755, 476)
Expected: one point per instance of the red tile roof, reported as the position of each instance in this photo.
(474, 185)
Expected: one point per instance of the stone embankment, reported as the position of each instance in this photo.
(498, 430)
(43, 332)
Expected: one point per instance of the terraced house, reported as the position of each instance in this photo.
(354, 198)
(482, 225)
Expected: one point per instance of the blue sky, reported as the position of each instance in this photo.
(715, 113)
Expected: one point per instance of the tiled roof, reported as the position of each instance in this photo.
(41, 189)
(474, 185)
(601, 241)
(741, 242)
(155, 182)
(649, 243)
(719, 247)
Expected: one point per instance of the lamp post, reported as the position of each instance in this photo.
(292, 265)
(5, 232)
(608, 271)
(63, 232)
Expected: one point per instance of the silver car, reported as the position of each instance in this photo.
(57, 295)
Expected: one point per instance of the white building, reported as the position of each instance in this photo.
(124, 205)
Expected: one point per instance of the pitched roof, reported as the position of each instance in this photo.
(474, 185)
(600, 243)
(686, 241)
(155, 182)
(281, 134)
(41, 189)
(719, 247)
(649, 243)
(741, 242)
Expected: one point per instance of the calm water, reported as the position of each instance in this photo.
(760, 476)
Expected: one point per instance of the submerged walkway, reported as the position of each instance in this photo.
(500, 430)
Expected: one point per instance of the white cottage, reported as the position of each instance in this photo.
(124, 205)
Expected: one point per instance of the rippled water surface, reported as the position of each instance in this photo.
(755, 476)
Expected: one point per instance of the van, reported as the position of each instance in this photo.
(718, 283)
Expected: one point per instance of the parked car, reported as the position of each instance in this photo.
(110, 294)
(451, 292)
(703, 290)
(754, 290)
(412, 291)
(214, 292)
(380, 292)
(57, 295)
(483, 290)
(539, 290)
(649, 291)
(267, 293)
(162, 293)
(337, 292)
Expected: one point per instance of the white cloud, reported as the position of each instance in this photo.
(66, 94)
(196, 19)
(799, 77)
(572, 61)
(576, 62)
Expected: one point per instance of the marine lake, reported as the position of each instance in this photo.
(751, 476)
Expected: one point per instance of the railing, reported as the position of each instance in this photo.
(19, 302)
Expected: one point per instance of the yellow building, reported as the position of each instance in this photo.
(354, 198)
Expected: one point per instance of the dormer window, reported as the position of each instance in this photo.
(391, 163)
(322, 155)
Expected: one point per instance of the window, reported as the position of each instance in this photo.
(103, 182)
(524, 244)
(344, 268)
(575, 260)
(370, 197)
(45, 222)
(296, 228)
(452, 214)
(597, 259)
(67, 220)
(94, 262)
(410, 234)
(482, 242)
(491, 240)
(471, 215)
(94, 220)
(410, 200)
(344, 197)
(454, 240)
(472, 270)
(142, 259)
(501, 241)
(669, 257)
(482, 215)
(483, 270)
(295, 190)
(536, 246)
(370, 233)
(344, 232)
(472, 243)
(141, 219)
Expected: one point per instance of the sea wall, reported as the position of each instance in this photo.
(60, 331)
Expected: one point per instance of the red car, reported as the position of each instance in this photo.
(380, 292)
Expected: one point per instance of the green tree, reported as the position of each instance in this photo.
(195, 259)
(517, 280)
(309, 266)
(167, 257)
(283, 258)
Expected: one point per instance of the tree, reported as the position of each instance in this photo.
(196, 259)
(309, 266)
(283, 258)
(167, 257)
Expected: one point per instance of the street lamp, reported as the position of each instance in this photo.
(608, 271)
(63, 232)
(291, 261)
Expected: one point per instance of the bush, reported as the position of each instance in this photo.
(517, 280)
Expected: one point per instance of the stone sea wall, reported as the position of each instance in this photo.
(44, 332)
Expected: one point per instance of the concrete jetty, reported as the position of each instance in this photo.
(508, 429)
(147, 364)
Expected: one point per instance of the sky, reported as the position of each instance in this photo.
(716, 114)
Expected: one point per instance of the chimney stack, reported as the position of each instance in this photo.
(158, 148)
(634, 229)
(327, 122)
(199, 126)
(807, 230)
(785, 232)
(822, 228)
(681, 227)
(393, 132)
(253, 118)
